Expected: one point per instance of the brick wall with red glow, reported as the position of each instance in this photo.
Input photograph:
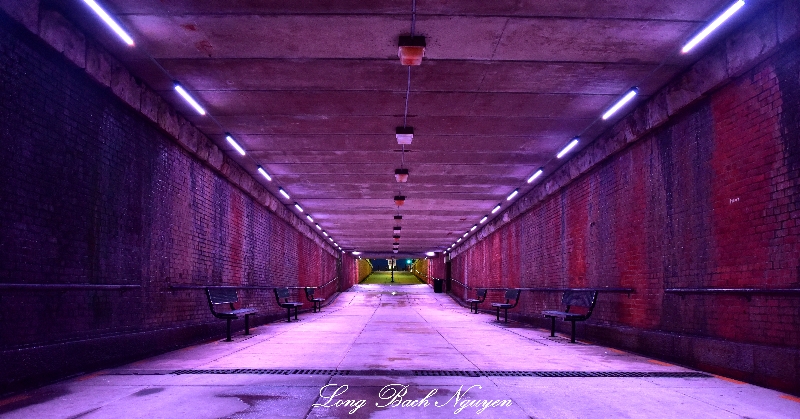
(95, 194)
(711, 199)
(436, 267)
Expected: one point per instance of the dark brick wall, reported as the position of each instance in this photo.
(91, 192)
(709, 199)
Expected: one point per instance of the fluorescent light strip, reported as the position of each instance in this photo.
(569, 147)
(513, 194)
(189, 99)
(712, 26)
(459, 240)
(299, 208)
(109, 21)
(473, 227)
(331, 239)
(495, 209)
(465, 234)
(430, 254)
(264, 173)
(483, 220)
(356, 253)
(325, 233)
(535, 175)
(317, 226)
(235, 145)
(283, 193)
(625, 99)
(309, 218)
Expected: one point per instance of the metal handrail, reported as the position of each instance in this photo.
(770, 291)
(244, 287)
(68, 287)
(628, 291)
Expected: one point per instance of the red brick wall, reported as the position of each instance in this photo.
(710, 199)
(94, 193)
(353, 270)
(436, 267)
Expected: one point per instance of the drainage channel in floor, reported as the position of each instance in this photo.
(453, 373)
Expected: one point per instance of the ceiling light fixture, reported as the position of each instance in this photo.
(459, 240)
(309, 218)
(356, 253)
(411, 49)
(283, 193)
(483, 220)
(466, 234)
(233, 142)
(401, 175)
(535, 175)
(185, 95)
(495, 209)
(712, 26)
(569, 147)
(430, 254)
(317, 226)
(625, 99)
(325, 233)
(397, 228)
(264, 173)
(109, 21)
(473, 227)
(513, 194)
(395, 251)
(398, 219)
(299, 208)
(404, 135)
(399, 200)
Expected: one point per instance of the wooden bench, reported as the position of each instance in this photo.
(316, 302)
(282, 295)
(228, 296)
(584, 299)
(511, 294)
(473, 302)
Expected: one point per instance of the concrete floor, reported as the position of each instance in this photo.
(381, 334)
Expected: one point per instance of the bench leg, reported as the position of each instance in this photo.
(506, 313)
(498, 313)
(246, 324)
(552, 327)
(229, 330)
(573, 332)
(295, 313)
(288, 314)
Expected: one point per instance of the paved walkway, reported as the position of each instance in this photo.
(385, 352)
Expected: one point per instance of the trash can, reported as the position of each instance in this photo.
(438, 284)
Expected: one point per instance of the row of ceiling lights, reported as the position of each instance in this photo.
(105, 17)
(624, 100)
(411, 50)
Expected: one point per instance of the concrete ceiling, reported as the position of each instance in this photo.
(313, 90)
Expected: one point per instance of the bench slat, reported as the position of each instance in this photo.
(222, 295)
(578, 298)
